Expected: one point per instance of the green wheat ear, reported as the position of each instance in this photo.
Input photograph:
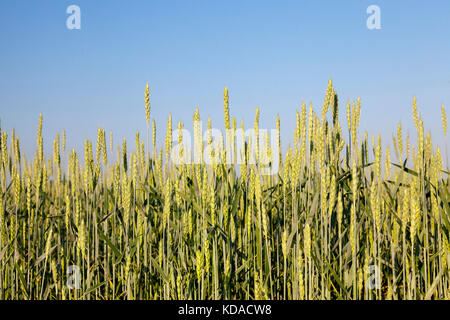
(147, 104)
(444, 120)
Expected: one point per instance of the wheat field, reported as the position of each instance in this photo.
(343, 217)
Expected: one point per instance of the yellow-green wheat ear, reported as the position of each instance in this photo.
(226, 109)
(111, 141)
(349, 116)
(400, 138)
(444, 120)
(147, 104)
(415, 114)
(64, 141)
(154, 134)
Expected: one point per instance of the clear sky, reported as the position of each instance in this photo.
(271, 54)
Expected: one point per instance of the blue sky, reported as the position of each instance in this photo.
(271, 54)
